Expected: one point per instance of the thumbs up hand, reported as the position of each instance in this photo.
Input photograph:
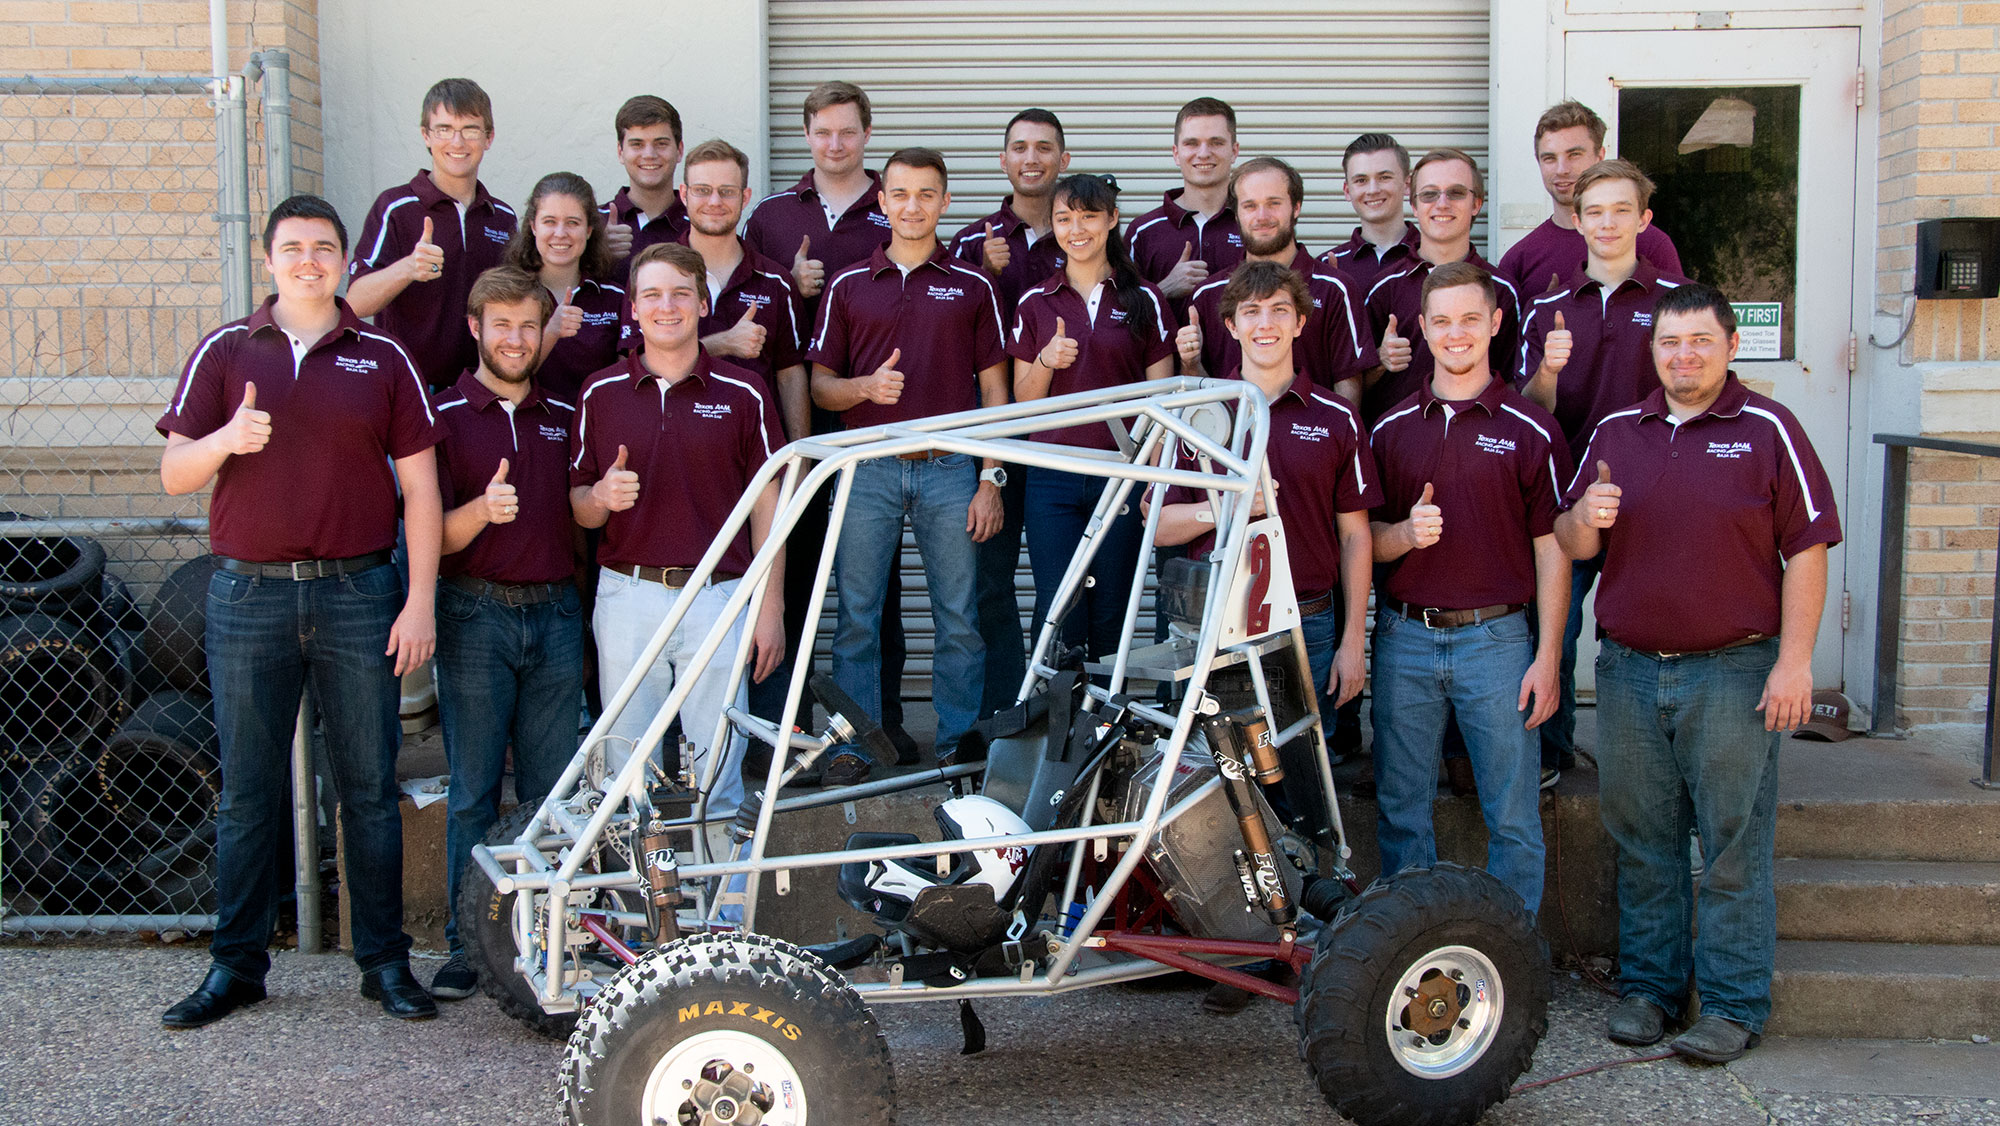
(1394, 351)
(1600, 500)
(249, 429)
(1426, 520)
(1187, 273)
(617, 235)
(501, 502)
(996, 251)
(884, 385)
(567, 320)
(1060, 351)
(808, 273)
(744, 339)
(1556, 347)
(618, 489)
(1187, 342)
(425, 262)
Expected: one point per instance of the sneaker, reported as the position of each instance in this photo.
(1715, 1039)
(1636, 1021)
(1550, 776)
(849, 767)
(456, 980)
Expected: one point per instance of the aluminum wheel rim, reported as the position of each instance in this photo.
(723, 1078)
(1476, 1017)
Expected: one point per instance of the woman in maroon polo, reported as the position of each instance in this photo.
(561, 241)
(1098, 323)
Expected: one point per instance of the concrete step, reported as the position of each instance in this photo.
(1889, 901)
(1899, 991)
(1884, 799)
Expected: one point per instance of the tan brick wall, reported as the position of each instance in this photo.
(1948, 560)
(1940, 150)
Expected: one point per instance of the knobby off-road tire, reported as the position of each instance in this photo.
(1443, 1054)
(698, 1028)
(486, 928)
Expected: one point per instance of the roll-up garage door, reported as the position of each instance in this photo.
(1305, 78)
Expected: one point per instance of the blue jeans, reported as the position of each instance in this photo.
(1682, 746)
(999, 606)
(1424, 676)
(266, 638)
(934, 495)
(1559, 733)
(505, 675)
(1057, 512)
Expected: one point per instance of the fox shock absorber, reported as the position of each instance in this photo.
(658, 864)
(1258, 863)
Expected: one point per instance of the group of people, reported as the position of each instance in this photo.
(1478, 444)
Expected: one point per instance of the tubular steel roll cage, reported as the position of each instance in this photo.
(549, 858)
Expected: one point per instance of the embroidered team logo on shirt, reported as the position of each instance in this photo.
(355, 363)
(602, 320)
(1643, 319)
(1728, 451)
(879, 220)
(945, 292)
(554, 433)
(1494, 445)
(1305, 432)
(711, 410)
(494, 234)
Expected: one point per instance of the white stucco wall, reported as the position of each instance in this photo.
(556, 75)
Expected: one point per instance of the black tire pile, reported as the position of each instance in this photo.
(108, 756)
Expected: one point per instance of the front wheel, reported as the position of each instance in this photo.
(1425, 999)
(728, 1028)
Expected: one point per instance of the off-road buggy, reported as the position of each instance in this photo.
(1116, 824)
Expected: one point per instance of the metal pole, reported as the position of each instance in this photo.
(1986, 780)
(277, 126)
(305, 826)
(1889, 588)
(232, 192)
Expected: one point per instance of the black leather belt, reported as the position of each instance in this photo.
(1318, 605)
(511, 594)
(1658, 655)
(675, 577)
(305, 568)
(1451, 619)
(924, 455)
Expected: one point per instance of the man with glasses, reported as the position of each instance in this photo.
(425, 242)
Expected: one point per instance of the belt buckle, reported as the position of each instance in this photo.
(294, 565)
(1427, 617)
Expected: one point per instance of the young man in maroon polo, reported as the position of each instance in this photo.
(1193, 232)
(1586, 350)
(1016, 245)
(1569, 138)
(1269, 195)
(424, 242)
(646, 210)
(308, 423)
(510, 634)
(1714, 517)
(1448, 192)
(1376, 182)
(1470, 470)
(667, 439)
(911, 333)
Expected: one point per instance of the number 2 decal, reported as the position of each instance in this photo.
(1259, 609)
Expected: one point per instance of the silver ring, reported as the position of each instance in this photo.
(1602, 513)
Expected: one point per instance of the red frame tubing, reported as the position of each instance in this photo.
(1176, 951)
(592, 922)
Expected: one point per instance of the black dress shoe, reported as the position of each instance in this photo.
(219, 995)
(907, 752)
(396, 987)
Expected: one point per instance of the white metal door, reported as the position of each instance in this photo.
(1726, 98)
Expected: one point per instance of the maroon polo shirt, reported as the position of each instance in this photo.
(1321, 462)
(1027, 263)
(759, 281)
(1157, 238)
(1108, 352)
(534, 547)
(1707, 512)
(667, 226)
(429, 317)
(1362, 265)
(594, 347)
(1328, 350)
(1400, 293)
(1548, 254)
(1496, 462)
(322, 488)
(944, 316)
(783, 218)
(695, 445)
(1611, 347)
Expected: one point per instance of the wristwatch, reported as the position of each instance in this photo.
(996, 477)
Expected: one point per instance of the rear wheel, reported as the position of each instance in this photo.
(1425, 999)
(486, 928)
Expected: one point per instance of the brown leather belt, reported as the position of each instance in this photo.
(924, 455)
(1435, 618)
(675, 577)
(1658, 655)
(1318, 605)
(305, 568)
(511, 594)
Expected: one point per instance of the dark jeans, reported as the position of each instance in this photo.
(265, 639)
(1559, 733)
(999, 610)
(505, 675)
(1056, 511)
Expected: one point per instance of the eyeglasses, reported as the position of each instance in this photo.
(1456, 194)
(704, 192)
(473, 133)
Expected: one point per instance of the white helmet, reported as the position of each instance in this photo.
(889, 887)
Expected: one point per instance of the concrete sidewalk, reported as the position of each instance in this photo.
(84, 1045)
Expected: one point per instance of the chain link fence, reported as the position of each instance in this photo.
(111, 192)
